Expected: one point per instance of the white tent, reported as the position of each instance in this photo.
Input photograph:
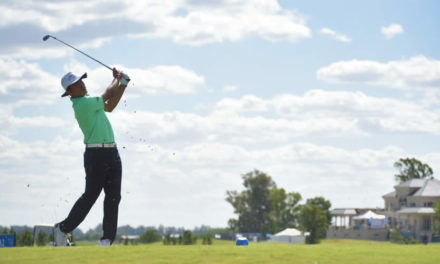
(368, 215)
(289, 235)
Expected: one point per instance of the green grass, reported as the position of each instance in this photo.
(330, 251)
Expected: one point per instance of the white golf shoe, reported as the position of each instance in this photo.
(60, 237)
(105, 243)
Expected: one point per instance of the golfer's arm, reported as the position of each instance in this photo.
(111, 103)
(112, 95)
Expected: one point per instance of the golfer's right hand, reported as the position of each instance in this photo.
(117, 74)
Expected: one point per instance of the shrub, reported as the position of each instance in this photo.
(397, 237)
(150, 236)
(207, 240)
(25, 239)
(42, 239)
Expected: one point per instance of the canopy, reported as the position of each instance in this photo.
(289, 235)
(368, 215)
(289, 232)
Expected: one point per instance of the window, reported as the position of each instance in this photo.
(402, 200)
(428, 204)
(427, 225)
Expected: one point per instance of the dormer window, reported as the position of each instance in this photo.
(402, 200)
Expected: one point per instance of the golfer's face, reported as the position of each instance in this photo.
(77, 89)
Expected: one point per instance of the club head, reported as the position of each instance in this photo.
(46, 37)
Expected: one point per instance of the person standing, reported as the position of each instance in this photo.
(102, 163)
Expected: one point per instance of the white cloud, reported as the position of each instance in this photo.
(167, 79)
(160, 79)
(338, 36)
(392, 30)
(251, 120)
(418, 72)
(57, 16)
(26, 83)
(208, 22)
(248, 103)
(91, 23)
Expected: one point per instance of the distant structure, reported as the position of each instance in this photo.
(409, 209)
(289, 235)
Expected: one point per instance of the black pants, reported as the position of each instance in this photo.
(103, 171)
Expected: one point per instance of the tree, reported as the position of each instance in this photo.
(262, 207)
(25, 239)
(188, 238)
(42, 238)
(412, 169)
(207, 240)
(284, 209)
(253, 204)
(150, 236)
(324, 204)
(313, 219)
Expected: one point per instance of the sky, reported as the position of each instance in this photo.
(323, 96)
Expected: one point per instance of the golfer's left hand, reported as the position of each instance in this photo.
(125, 79)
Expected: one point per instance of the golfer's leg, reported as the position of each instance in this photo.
(94, 184)
(112, 189)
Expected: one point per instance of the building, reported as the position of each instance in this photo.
(409, 209)
(358, 223)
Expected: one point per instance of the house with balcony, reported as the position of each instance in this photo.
(409, 209)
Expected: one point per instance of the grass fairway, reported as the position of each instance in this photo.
(331, 251)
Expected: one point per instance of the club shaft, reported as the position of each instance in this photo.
(82, 53)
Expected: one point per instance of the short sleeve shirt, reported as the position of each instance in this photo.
(89, 112)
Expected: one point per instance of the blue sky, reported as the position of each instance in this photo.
(324, 96)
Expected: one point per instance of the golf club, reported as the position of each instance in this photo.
(50, 36)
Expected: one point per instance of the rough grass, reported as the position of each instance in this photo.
(330, 251)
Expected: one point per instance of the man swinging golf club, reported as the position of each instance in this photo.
(101, 158)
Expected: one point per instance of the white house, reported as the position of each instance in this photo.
(410, 207)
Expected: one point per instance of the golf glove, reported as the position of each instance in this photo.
(124, 80)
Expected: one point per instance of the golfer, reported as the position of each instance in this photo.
(102, 163)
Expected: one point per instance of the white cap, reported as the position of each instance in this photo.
(69, 79)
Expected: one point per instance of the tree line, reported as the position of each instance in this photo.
(261, 207)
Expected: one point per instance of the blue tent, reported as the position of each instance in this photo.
(242, 241)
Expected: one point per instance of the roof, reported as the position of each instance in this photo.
(413, 183)
(289, 232)
(416, 210)
(421, 188)
(343, 211)
(390, 195)
(369, 214)
(431, 188)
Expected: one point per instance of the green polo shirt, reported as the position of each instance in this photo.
(89, 112)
